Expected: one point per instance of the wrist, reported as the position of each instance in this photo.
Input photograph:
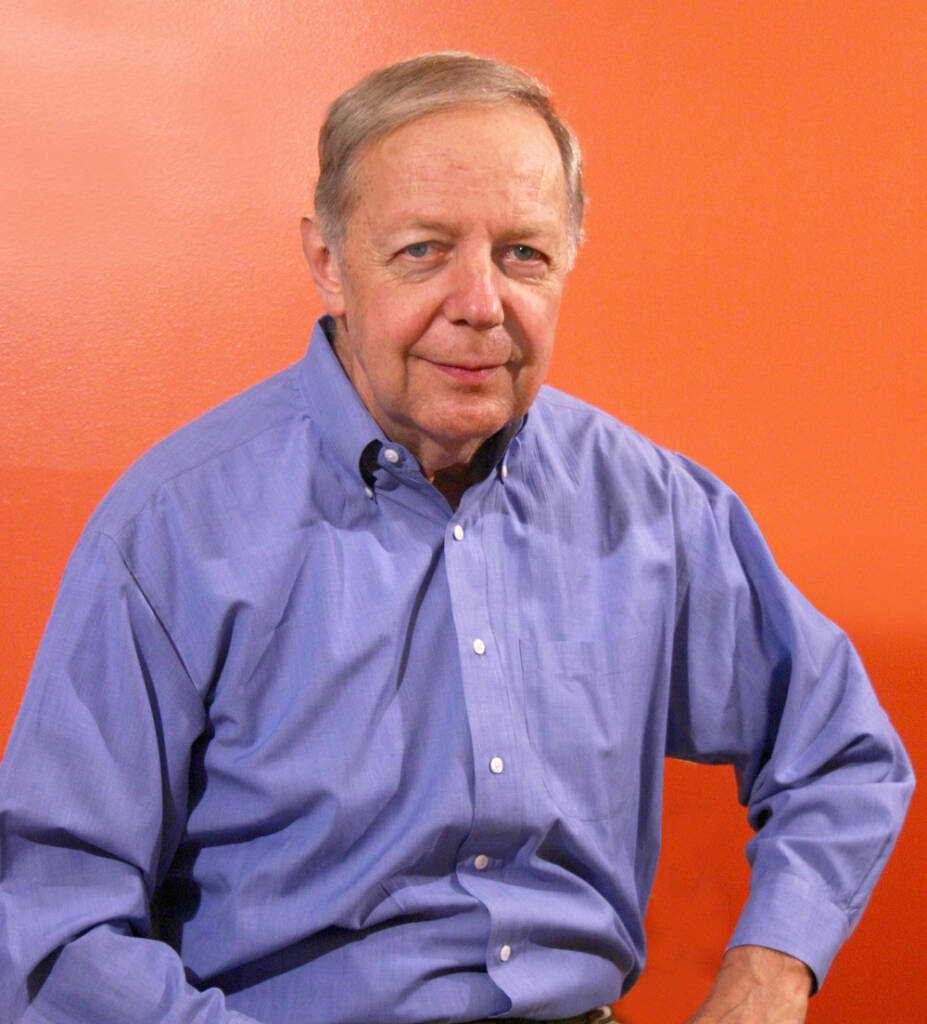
(759, 965)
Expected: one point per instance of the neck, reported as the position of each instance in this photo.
(453, 476)
(454, 480)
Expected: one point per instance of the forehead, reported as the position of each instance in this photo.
(501, 158)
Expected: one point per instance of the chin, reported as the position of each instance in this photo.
(468, 428)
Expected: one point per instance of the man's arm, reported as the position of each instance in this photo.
(764, 682)
(93, 802)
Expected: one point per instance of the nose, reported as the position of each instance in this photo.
(474, 295)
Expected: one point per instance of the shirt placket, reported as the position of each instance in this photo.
(498, 797)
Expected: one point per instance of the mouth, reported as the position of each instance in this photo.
(468, 374)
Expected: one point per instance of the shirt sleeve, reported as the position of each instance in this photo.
(93, 801)
(762, 681)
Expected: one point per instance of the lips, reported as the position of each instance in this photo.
(467, 374)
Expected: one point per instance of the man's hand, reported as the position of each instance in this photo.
(756, 985)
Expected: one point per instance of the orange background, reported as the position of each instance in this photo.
(752, 292)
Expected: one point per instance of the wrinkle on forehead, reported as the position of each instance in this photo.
(410, 165)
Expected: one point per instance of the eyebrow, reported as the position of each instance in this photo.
(424, 224)
(525, 229)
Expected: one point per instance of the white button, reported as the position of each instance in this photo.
(368, 491)
(481, 862)
(391, 455)
(505, 471)
(496, 765)
(479, 646)
(505, 953)
(458, 532)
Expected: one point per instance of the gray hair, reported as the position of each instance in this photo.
(394, 96)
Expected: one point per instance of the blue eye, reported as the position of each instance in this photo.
(524, 253)
(418, 250)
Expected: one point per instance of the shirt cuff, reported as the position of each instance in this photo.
(791, 915)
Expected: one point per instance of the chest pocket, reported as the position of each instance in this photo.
(573, 709)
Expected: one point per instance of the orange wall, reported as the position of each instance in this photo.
(752, 292)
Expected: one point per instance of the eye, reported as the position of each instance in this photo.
(525, 261)
(418, 250)
(525, 253)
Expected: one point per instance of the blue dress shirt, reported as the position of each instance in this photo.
(302, 744)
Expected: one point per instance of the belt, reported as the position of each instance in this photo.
(598, 1015)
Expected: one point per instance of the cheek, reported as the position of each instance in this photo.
(399, 318)
(536, 307)
(539, 328)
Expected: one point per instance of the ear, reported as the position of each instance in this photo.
(325, 269)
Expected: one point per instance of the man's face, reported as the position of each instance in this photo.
(451, 274)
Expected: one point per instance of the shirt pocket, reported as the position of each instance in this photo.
(574, 720)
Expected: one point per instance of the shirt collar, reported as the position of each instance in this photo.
(334, 405)
(337, 409)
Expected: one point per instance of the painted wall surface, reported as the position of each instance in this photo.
(751, 292)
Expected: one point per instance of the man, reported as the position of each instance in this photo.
(355, 698)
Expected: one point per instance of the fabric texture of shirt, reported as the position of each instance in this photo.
(302, 743)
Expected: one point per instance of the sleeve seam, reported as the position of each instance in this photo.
(135, 576)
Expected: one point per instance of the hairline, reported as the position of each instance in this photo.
(352, 129)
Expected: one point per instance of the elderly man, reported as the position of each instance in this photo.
(354, 702)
